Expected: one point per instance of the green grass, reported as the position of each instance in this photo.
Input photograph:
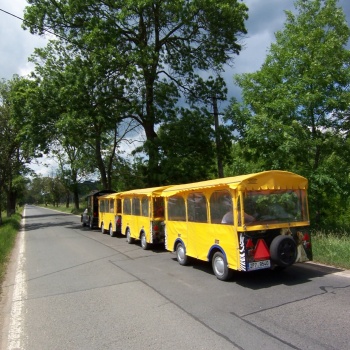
(331, 249)
(8, 232)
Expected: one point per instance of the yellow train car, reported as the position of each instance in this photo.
(143, 215)
(109, 216)
(243, 223)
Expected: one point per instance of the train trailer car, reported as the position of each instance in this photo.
(143, 215)
(243, 223)
(90, 214)
(110, 214)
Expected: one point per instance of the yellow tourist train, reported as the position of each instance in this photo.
(242, 223)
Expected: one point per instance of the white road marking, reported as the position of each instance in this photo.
(19, 295)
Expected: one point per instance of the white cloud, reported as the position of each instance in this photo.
(16, 44)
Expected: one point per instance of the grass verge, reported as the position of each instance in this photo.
(331, 249)
(8, 232)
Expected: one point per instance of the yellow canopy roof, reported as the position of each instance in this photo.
(273, 179)
(109, 196)
(152, 191)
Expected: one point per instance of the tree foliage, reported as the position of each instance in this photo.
(159, 46)
(294, 102)
(187, 148)
(16, 149)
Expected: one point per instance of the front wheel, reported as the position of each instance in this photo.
(144, 243)
(220, 268)
(181, 256)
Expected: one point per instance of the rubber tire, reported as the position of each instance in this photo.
(144, 244)
(91, 225)
(102, 228)
(181, 256)
(129, 239)
(283, 250)
(220, 268)
(111, 233)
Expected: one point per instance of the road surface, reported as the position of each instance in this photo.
(70, 287)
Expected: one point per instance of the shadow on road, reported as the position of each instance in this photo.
(260, 279)
(44, 215)
(294, 275)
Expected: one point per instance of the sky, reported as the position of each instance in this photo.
(266, 17)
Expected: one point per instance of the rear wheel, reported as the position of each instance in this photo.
(129, 239)
(220, 268)
(144, 243)
(181, 256)
(283, 250)
(102, 228)
(111, 233)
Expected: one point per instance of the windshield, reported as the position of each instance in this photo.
(275, 206)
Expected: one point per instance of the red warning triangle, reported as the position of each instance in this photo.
(261, 251)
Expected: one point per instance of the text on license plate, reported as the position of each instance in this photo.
(255, 265)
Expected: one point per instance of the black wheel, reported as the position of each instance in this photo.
(220, 268)
(181, 256)
(144, 243)
(283, 250)
(102, 228)
(91, 223)
(129, 239)
(111, 232)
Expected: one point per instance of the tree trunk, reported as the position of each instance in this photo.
(0, 211)
(67, 199)
(11, 202)
(217, 138)
(76, 198)
(153, 156)
(100, 164)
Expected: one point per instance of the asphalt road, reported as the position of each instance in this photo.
(72, 288)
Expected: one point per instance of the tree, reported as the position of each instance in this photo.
(159, 44)
(86, 114)
(207, 93)
(187, 148)
(15, 146)
(295, 98)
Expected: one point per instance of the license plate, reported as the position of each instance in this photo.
(256, 265)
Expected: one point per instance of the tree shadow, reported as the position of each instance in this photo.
(44, 215)
(40, 225)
